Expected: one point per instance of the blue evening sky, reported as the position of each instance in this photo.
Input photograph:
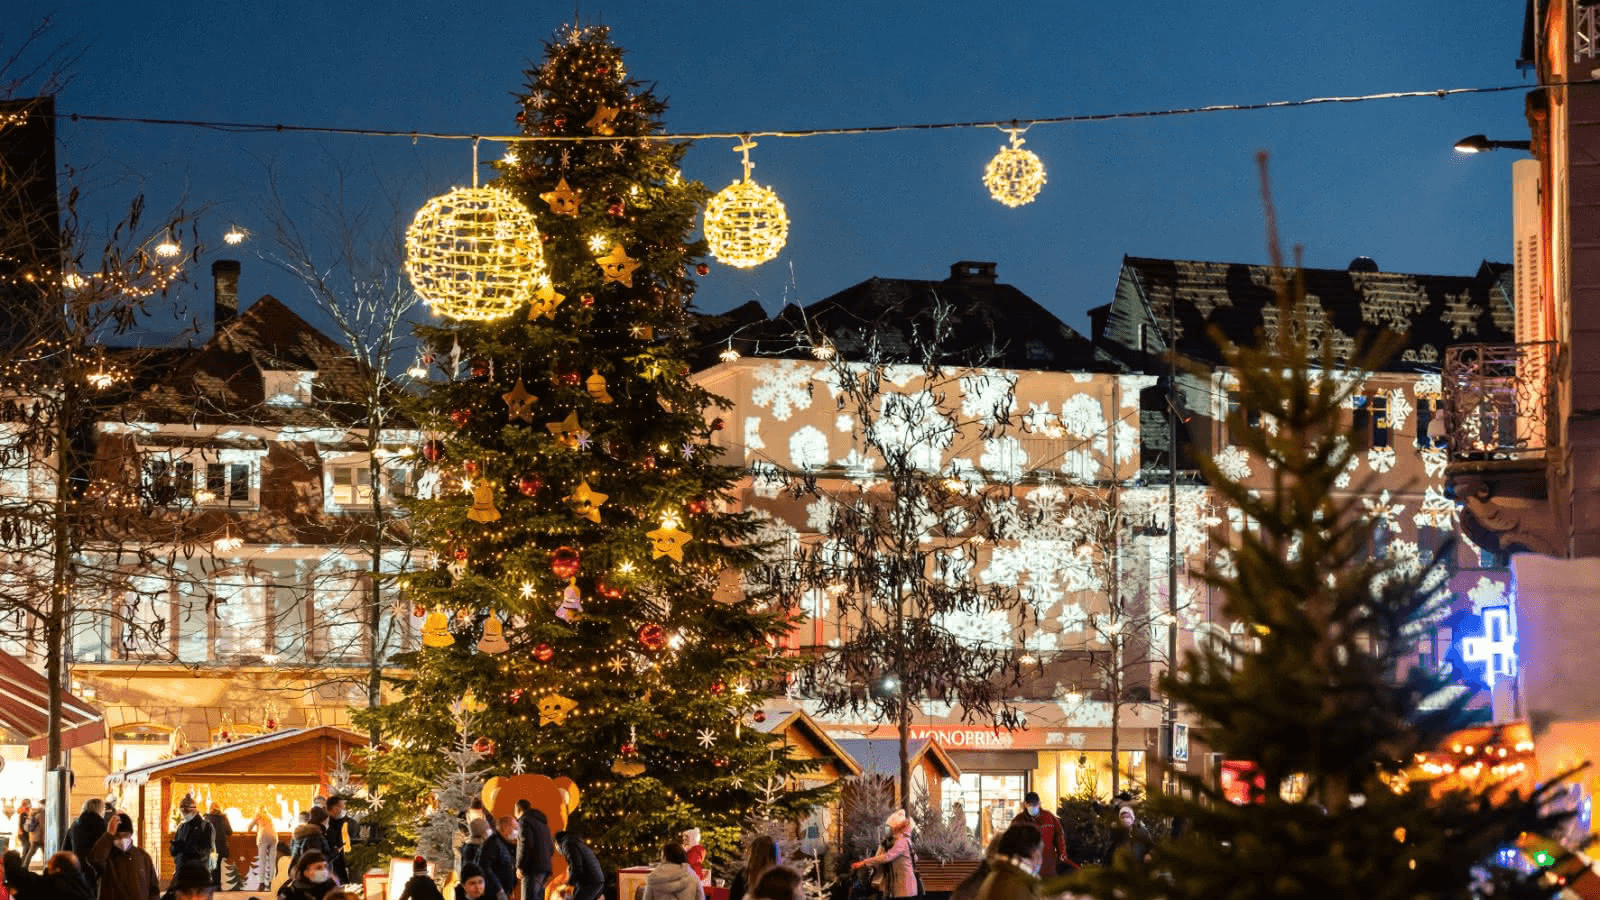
(1376, 179)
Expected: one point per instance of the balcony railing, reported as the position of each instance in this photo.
(1585, 31)
(1497, 401)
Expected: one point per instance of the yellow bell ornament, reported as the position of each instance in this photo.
(494, 636)
(436, 630)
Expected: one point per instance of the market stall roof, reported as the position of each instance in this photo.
(25, 710)
(881, 756)
(291, 755)
(781, 717)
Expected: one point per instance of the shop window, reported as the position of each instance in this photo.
(988, 802)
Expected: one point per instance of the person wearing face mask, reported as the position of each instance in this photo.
(126, 871)
(194, 841)
(312, 880)
(1055, 840)
(1014, 865)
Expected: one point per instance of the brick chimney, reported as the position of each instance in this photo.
(973, 272)
(225, 283)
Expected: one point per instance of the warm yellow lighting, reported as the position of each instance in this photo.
(417, 372)
(745, 223)
(626, 568)
(527, 590)
(474, 254)
(823, 351)
(598, 243)
(228, 542)
(510, 158)
(101, 380)
(728, 355)
(235, 236)
(74, 281)
(1015, 175)
(168, 248)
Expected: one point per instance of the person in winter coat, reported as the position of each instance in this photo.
(126, 871)
(338, 829)
(221, 831)
(778, 883)
(193, 841)
(900, 861)
(309, 837)
(472, 885)
(1055, 839)
(266, 832)
(759, 857)
(533, 856)
(696, 852)
(421, 886)
(672, 879)
(1132, 835)
(24, 841)
(499, 855)
(85, 831)
(1014, 867)
(192, 882)
(310, 878)
(22, 884)
(32, 828)
(584, 874)
(472, 854)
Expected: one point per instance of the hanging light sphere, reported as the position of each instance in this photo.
(474, 254)
(746, 225)
(1015, 175)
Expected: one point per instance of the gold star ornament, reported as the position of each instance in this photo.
(586, 502)
(602, 122)
(567, 431)
(544, 301)
(618, 266)
(668, 540)
(563, 200)
(554, 709)
(520, 402)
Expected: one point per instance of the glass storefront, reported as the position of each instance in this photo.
(1078, 773)
(988, 801)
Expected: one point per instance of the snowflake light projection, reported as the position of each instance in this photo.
(1233, 463)
(783, 387)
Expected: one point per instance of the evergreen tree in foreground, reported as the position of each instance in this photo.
(1326, 685)
(577, 507)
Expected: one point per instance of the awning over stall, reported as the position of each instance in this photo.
(291, 756)
(25, 710)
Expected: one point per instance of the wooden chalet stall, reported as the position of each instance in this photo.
(806, 741)
(279, 772)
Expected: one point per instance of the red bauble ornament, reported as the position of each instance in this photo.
(530, 485)
(718, 686)
(608, 590)
(629, 750)
(432, 450)
(660, 735)
(697, 506)
(720, 761)
(522, 117)
(418, 611)
(602, 70)
(587, 299)
(760, 715)
(649, 462)
(617, 209)
(560, 122)
(272, 724)
(471, 466)
(717, 424)
(565, 562)
(480, 368)
(461, 417)
(571, 379)
(483, 746)
(461, 554)
(652, 636)
(544, 652)
(702, 269)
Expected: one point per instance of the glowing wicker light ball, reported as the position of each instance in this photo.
(474, 254)
(1015, 175)
(745, 223)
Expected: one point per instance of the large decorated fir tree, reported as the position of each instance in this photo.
(582, 598)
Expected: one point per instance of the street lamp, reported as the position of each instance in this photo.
(1477, 143)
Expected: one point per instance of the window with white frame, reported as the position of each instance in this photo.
(287, 387)
(339, 603)
(201, 476)
(348, 482)
(239, 615)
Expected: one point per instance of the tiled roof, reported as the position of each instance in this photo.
(991, 324)
(222, 381)
(1430, 311)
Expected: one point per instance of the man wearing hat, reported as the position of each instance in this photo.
(126, 871)
(194, 841)
(472, 885)
(193, 882)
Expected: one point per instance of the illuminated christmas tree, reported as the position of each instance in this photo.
(575, 508)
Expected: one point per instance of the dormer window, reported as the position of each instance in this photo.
(287, 387)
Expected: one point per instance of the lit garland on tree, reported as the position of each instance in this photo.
(578, 505)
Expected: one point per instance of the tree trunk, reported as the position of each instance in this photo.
(375, 607)
(60, 577)
(905, 750)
